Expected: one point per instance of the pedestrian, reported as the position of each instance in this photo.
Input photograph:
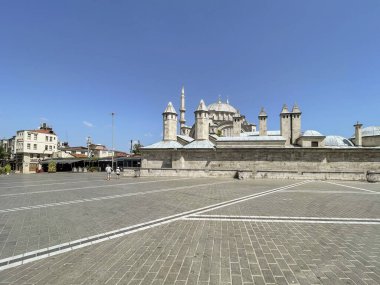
(117, 173)
(108, 170)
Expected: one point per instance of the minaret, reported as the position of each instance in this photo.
(170, 123)
(285, 122)
(263, 122)
(201, 122)
(182, 111)
(358, 134)
(295, 124)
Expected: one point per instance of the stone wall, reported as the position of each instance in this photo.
(297, 163)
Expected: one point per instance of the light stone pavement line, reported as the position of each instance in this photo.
(285, 218)
(331, 192)
(229, 219)
(107, 197)
(90, 187)
(27, 257)
(48, 184)
(347, 186)
(258, 195)
(50, 181)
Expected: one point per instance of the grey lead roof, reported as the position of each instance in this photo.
(203, 144)
(337, 141)
(312, 133)
(185, 138)
(256, 133)
(164, 145)
(253, 138)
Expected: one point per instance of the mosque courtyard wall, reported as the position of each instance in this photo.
(292, 163)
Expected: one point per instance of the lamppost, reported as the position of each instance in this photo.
(113, 150)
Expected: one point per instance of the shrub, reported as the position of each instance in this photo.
(93, 169)
(52, 167)
(7, 168)
(1, 170)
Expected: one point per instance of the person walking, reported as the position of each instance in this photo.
(117, 173)
(108, 170)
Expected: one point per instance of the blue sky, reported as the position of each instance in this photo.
(72, 63)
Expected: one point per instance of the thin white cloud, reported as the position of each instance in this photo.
(43, 119)
(88, 124)
(148, 135)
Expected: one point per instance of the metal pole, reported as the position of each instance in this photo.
(113, 150)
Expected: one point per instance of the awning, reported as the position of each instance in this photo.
(61, 161)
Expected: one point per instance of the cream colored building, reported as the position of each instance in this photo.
(32, 146)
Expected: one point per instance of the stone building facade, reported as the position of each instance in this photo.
(287, 153)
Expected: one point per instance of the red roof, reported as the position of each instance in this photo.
(43, 131)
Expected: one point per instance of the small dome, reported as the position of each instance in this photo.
(371, 131)
(337, 141)
(221, 107)
(312, 133)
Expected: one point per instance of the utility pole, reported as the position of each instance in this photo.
(113, 150)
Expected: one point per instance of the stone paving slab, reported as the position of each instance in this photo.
(190, 251)
(218, 252)
(306, 203)
(27, 230)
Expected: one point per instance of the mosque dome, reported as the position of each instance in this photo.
(371, 131)
(221, 107)
(337, 141)
(312, 133)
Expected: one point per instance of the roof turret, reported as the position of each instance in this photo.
(284, 109)
(170, 109)
(296, 109)
(263, 113)
(202, 107)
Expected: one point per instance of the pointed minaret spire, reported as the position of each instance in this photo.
(219, 99)
(228, 102)
(182, 111)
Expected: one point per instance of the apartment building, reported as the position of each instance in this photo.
(32, 146)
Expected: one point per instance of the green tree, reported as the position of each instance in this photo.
(137, 148)
(52, 167)
(7, 168)
(2, 153)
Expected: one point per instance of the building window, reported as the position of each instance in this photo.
(28, 146)
(29, 136)
(46, 147)
(38, 155)
(47, 138)
(314, 144)
(35, 146)
(35, 137)
(50, 148)
(51, 139)
(31, 155)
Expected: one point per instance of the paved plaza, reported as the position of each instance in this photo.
(68, 228)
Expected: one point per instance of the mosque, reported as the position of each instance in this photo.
(222, 141)
(221, 125)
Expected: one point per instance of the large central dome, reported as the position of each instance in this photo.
(221, 107)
